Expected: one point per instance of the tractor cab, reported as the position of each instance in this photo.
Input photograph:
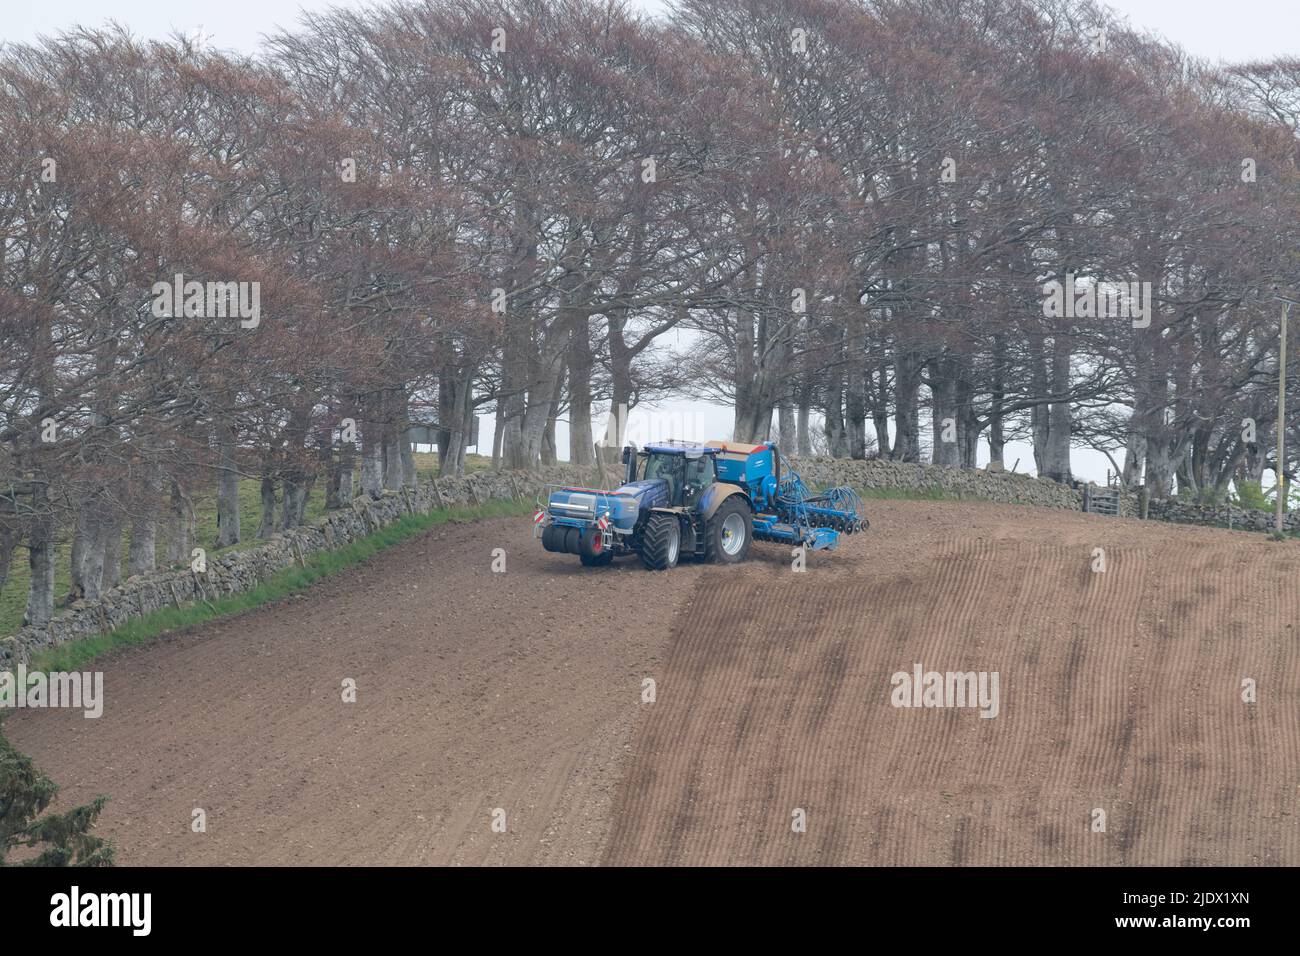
(686, 471)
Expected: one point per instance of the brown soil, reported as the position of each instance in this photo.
(522, 691)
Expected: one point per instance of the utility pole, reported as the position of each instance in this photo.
(1281, 423)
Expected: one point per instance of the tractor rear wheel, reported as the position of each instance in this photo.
(730, 531)
(661, 541)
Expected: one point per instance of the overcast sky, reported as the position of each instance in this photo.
(1213, 29)
(1217, 29)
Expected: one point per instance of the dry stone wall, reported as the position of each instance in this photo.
(1227, 516)
(965, 483)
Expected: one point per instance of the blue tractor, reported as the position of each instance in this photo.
(706, 501)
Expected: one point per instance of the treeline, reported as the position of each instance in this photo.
(219, 266)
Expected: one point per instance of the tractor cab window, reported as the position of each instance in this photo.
(667, 468)
(700, 473)
(686, 477)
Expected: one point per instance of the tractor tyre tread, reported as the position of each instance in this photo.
(656, 541)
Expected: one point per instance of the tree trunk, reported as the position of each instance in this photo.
(968, 425)
(341, 485)
(9, 535)
(266, 527)
(1057, 456)
(143, 555)
(227, 487)
(498, 436)
(514, 393)
(880, 413)
(396, 406)
(334, 475)
(620, 363)
(581, 450)
(855, 409)
(294, 506)
(408, 462)
(837, 443)
(786, 428)
(550, 454)
(113, 547)
(392, 461)
(907, 387)
(545, 385)
(803, 424)
(40, 560)
(997, 439)
(1135, 452)
(372, 450)
(41, 529)
(1038, 414)
(456, 413)
(178, 528)
(944, 413)
(1159, 469)
(90, 570)
(754, 423)
(467, 430)
(8, 541)
(81, 533)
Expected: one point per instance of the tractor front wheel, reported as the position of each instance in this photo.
(661, 541)
(730, 531)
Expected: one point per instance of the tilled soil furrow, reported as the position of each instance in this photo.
(1107, 705)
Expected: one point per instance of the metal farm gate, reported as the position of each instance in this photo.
(1101, 501)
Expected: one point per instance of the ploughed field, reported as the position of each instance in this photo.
(776, 732)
